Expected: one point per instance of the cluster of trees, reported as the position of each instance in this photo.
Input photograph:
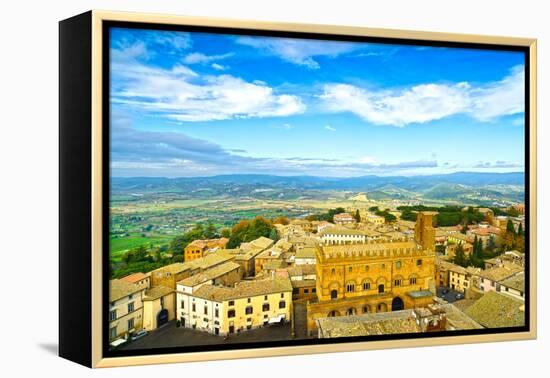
(512, 239)
(447, 215)
(388, 217)
(141, 259)
(248, 230)
(476, 258)
(328, 216)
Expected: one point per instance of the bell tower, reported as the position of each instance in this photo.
(424, 232)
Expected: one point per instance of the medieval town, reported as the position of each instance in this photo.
(358, 275)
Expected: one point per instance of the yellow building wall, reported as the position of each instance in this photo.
(459, 282)
(152, 308)
(258, 316)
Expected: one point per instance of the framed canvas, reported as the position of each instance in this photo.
(235, 189)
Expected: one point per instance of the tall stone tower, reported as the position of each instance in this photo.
(424, 232)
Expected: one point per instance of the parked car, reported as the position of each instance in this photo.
(445, 291)
(459, 296)
(139, 335)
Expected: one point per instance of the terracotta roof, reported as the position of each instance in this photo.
(301, 270)
(342, 216)
(210, 274)
(495, 310)
(516, 282)
(303, 283)
(368, 324)
(157, 292)
(119, 289)
(135, 277)
(306, 253)
(499, 273)
(243, 289)
(339, 230)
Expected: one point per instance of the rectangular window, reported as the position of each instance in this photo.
(112, 333)
(131, 307)
(314, 290)
(112, 315)
(193, 307)
(205, 310)
(265, 307)
(306, 291)
(130, 324)
(182, 304)
(418, 262)
(217, 313)
(231, 313)
(282, 304)
(231, 303)
(248, 310)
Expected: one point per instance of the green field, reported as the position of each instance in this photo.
(120, 245)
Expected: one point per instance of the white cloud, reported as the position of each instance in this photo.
(181, 94)
(428, 102)
(218, 67)
(299, 51)
(199, 58)
(504, 97)
(329, 128)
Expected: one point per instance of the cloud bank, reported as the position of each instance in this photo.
(429, 102)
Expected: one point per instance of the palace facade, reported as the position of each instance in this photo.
(376, 276)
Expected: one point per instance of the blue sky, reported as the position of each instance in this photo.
(195, 104)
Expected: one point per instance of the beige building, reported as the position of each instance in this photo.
(159, 307)
(125, 309)
(343, 218)
(224, 310)
(375, 219)
(342, 235)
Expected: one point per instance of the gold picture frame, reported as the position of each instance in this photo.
(89, 266)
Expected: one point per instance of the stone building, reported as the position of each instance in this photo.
(375, 276)
(197, 248)
(221, 310)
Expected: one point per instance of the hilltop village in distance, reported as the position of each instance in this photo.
(354, 271)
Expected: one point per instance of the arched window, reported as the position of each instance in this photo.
(333, 271)
(412, 281)
(350, 287)
(366, 285)
(350, 269)
(333, 314)
(351, 311)
(397, 282)
(366, 309)
(381, 288)
(333, 294)
(398, 264)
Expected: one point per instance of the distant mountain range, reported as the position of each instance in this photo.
(460, 186)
